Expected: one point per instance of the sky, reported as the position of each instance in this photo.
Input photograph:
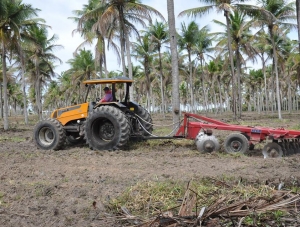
(56, 13)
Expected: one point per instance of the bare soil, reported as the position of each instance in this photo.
(71, 187)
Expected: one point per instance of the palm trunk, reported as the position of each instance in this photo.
(191, 81)
(148, 85)
(129, 65)
(104, 58)
(265, 81)
(289, 93)
(5, 111)
(276, 73)
(298, 23)
(24, 89)
(1, 100)
(220, 97)
(38, 92)
(238, 75)
(234, 90)
(161, 84)
(122, 39)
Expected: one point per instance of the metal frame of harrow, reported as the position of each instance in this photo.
(287, 139)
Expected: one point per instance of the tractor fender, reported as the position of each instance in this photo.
(116, 104)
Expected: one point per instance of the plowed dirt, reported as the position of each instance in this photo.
(70, 187)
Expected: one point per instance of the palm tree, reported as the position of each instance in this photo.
(203, 44)
(121, 14)
(90, 30)
(12, 16)
(263, 48)
(159, 35)
(143, 51)
(42, 58)
(175, 70)
(187, 41)
(273, 14)
(225, 6)
(82, 68)
(298, 23)
(241, 37)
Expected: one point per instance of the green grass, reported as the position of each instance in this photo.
(2, 203)
(12, 139)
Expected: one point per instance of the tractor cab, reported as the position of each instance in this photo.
(124, 103)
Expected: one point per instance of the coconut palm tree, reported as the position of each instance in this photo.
(203, 44)
(82, 68)
(262, 47)
(40, 53)
(273, 14)
(90, 30)
(143, 50)
(120, 12)
(187, 41)
(159, 35)
(121, 15)
(13, 14)
(298, 24)
(225, 6)
(241, 37)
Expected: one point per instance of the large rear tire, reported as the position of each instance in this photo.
(49, 134)
(145, 120)
(107, 128)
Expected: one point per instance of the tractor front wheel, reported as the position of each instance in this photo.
(49, 134)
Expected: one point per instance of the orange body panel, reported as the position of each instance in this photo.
(70, 113)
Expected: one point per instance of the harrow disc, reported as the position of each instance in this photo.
(207, 143)
(272, 150)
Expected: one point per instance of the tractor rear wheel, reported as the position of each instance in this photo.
(236, 142)
(145, 120)
(107, 128)
(49, 134)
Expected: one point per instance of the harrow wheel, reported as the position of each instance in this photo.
(272, 150)
(207, 143)
(236, 142)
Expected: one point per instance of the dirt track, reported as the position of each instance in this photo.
(59, 188)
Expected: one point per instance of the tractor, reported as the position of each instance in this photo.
(102, 126)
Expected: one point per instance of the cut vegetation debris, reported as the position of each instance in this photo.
(210, 202)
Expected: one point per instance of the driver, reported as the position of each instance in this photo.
(108, 95)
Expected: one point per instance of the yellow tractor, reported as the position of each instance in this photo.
(101, 125)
